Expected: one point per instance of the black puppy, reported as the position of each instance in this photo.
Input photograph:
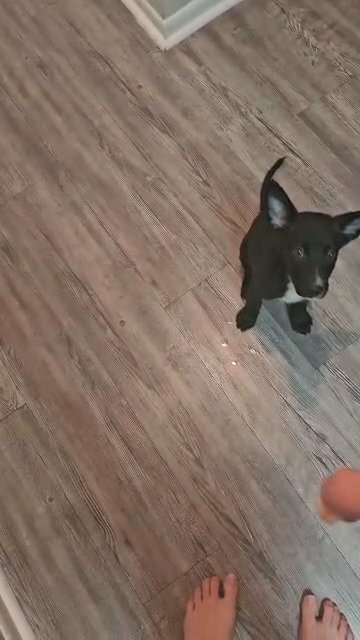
(289, 255)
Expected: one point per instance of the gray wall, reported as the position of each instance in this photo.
(167, 8)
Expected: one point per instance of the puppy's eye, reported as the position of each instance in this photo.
(299, 252)
(331, 253)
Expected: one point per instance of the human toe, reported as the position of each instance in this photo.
(335, 622)
(230, 587)
(205, 588)
(343, 628)
(214, 587)
(197, 597)
(307, 619)
(326, 613)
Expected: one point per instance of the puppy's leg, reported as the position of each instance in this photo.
(300, 319)
(245, 283)
(248, 315)
(245, 267)
(243, 256)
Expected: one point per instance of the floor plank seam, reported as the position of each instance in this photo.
(165, 463)
(196, 285)
(19, 408)
(325, 96)
(12, 197)
(130, 444)
(281, 469)
(72, 180)
(310, 39)
(127, 136)
(181, 575)
(200, 226)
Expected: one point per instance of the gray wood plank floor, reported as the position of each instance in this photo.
(138, 453)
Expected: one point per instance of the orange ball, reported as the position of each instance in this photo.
(340, 496)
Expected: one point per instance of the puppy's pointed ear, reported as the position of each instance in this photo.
(277, 206)
(347, 227)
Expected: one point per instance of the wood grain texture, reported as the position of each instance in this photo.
(23, 157)
(330, 30)
(10, 397)
(264, 44)
(143, 458)
(79, 394)
(342, 374)
(51, 539)
(153, 228)
(296, 416)
(23, 9)
(335, 118)
(167, 609)
(167, 105)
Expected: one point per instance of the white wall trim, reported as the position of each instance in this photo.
(168, 32)
(193, 17)
(147, 18)
(13, 623)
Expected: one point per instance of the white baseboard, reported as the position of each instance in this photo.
(148, 20)
(13, 625)
(168, 32)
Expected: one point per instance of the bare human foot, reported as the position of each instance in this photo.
(328, 624)
(209, 615)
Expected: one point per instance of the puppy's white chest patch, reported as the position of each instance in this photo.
(291, 296)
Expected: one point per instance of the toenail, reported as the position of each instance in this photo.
(308, 597)
(231, 577)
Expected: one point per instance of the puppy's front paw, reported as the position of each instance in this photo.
(302, 324)
(245, 319)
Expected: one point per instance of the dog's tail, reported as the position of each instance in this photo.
(266, 183)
